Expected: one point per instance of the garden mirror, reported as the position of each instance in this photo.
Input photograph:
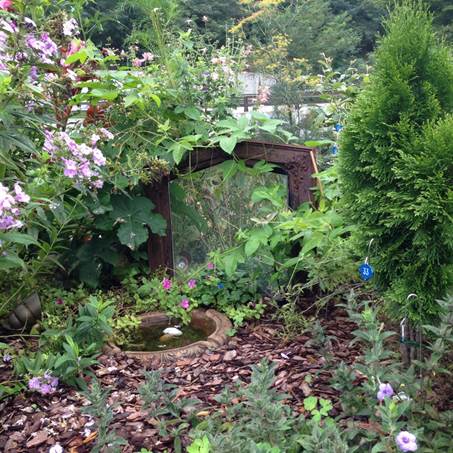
(298, 163)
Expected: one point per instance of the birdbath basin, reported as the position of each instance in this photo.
(207, 331)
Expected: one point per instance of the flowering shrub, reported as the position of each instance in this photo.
(9, 206)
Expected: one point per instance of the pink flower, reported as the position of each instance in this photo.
(192, 283)
(137, 62)
(6, 4)
(210, 266)
(185, 303)
(75, 46)
(166, 284)
(59, 301)
(263, 95)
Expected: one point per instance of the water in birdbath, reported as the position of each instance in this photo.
(152, 338)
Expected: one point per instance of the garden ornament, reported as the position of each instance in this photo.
(366, 271)
(24, 316)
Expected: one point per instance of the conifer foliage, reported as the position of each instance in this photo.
(397, 166)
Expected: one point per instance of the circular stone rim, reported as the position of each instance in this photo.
(218, 338)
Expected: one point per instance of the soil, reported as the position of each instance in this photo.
(32, 423)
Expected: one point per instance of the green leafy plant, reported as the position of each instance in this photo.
(102, 413)
(318, 408)
(161, 400)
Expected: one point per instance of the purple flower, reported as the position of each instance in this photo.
(7, 358)
(59, 301)
(192, 283)
(185, 303)
(70, 168)
(210, 266)
(220, 285)
(106, 133)
(21, 196)
(46, 389)
(385, 391)
(34, 73)
(166, 284)
(406, 441)
(34, 383)
(98, 157)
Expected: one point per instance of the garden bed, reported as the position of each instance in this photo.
(32, 423)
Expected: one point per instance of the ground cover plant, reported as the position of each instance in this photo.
(341, 309)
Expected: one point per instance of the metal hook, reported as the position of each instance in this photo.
(403, 328)
(369, 247)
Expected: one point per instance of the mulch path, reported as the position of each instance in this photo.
(32, 423)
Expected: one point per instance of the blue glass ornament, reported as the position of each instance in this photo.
(334, 150)
(366, 272)
(338, 127)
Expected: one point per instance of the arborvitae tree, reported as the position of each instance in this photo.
(397, 166)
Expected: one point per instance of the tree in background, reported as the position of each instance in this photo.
(396, 164)
(310, 27)
(213, 19)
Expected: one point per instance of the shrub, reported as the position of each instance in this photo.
(396, 166)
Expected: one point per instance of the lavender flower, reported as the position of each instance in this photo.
(192, 283)
(34, 383)
(7, 358)
(44, 385)
(385, 391)
(406, 441)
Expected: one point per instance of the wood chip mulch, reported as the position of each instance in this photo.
(32, 423)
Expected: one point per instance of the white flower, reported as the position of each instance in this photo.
(57, 448)
(70, 27)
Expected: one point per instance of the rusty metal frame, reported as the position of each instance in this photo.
(297, 162)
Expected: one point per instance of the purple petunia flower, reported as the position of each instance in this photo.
(406, 441)
(385, 391)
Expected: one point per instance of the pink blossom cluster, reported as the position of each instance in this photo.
(264, 94)
(81, 161)
(9, 206)
(6, 4)
(147, 56)
(45, 385)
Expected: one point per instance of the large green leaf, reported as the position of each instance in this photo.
(18, 238)
(228, 144)
(134, 216)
